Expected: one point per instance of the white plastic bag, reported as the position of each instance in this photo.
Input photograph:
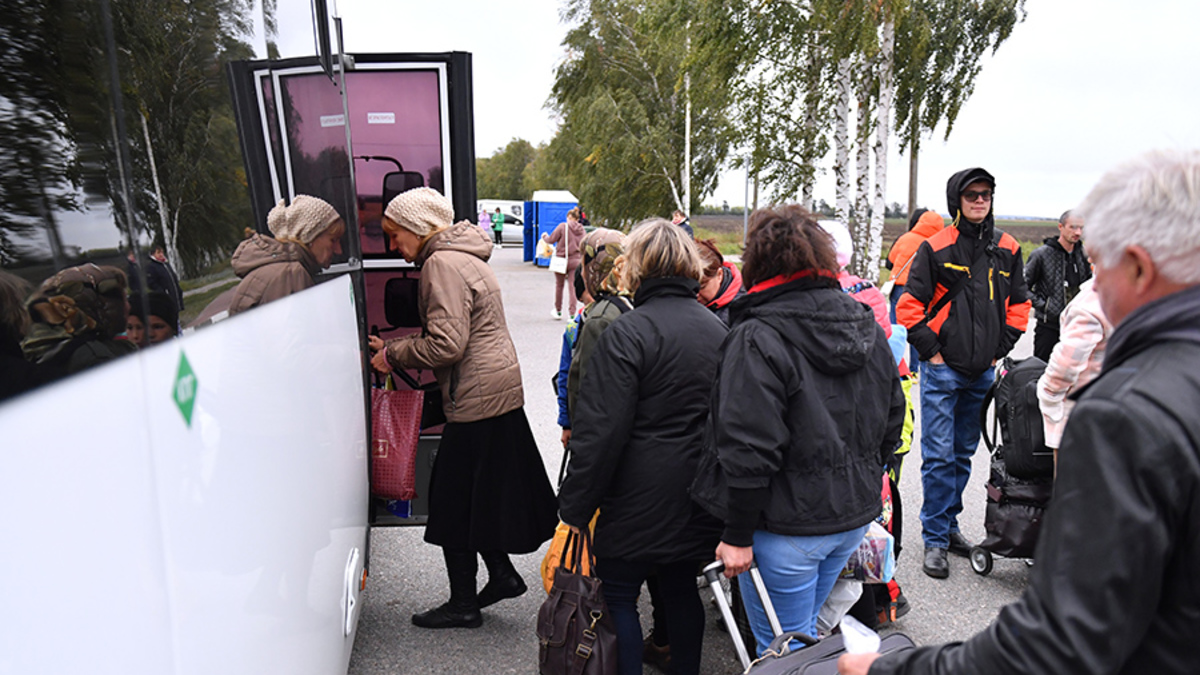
(874, 561)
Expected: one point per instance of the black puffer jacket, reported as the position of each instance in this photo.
(1046, 276)
(807, 410)
(638, 425)
(1115, 588)
(984, 321)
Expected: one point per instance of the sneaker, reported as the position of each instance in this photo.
(556, 314)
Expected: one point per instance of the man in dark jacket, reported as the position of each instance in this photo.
(1114, 589)
(965, 305)
(1054, 273)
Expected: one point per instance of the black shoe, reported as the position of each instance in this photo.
(448, 616)
(501, 588)
(902, 606)
(935, 563)
(959, 545)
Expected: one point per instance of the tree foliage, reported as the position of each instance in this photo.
(57, 119)
(621, 98)
(939, 44)
(502, 176)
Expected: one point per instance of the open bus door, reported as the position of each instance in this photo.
(406, 121)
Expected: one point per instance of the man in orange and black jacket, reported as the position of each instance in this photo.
(959, 343)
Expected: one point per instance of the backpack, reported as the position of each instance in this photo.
(1022, 440)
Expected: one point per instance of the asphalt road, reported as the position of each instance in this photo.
(407, 575)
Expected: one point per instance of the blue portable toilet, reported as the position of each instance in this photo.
(528, 241)
(547, 209)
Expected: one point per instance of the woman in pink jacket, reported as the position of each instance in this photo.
(1075, 361)
(566, 238)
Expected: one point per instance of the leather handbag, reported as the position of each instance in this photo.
(576, 635)
(395, 429)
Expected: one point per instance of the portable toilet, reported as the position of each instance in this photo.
(547, 209)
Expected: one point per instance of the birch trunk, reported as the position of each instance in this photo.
(687, 133)
(169, 234)
(862, 199)
(841, 140)
(869, 248)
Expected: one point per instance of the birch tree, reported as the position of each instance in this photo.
(623, 96)
(939, 44)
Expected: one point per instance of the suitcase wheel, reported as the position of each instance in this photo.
(981, 561)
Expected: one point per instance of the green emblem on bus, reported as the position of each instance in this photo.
(185, 389)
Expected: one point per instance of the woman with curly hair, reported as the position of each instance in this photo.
(806, 412)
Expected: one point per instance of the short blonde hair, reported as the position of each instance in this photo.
(656, 249)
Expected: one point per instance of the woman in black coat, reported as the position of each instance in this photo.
(636, 440)
(806, 413)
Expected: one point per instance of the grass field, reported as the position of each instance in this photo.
(727, 231)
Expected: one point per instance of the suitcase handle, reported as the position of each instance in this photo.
(712, 574)
(779, 644)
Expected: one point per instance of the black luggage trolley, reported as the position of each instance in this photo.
(1019, 487)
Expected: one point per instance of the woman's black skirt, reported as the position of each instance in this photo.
(489, 490)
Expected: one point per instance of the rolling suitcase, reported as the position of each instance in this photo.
(817, 658)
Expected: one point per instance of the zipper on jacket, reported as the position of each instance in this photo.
(960, 268)
(991, 286)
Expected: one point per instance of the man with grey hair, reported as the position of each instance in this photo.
(1054, 273)
(1114, 589)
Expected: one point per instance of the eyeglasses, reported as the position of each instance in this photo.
(974, 196)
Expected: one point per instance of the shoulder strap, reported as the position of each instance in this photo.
(906, 264)
(977, 266)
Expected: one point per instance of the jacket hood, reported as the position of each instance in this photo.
(461, 236)
(834, 331)
(1175, 318)
(261, 250)
(954, 189)
(929, 224)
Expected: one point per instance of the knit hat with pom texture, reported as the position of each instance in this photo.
(304, 220)
(421, 211)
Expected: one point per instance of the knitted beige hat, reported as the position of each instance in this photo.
(303, 221)
(421, 211)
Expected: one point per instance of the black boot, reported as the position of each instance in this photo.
(503, 580)
(462, 610)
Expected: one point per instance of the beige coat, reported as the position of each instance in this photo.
(270, 269)
(465, 340)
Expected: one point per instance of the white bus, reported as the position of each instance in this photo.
(203, 505)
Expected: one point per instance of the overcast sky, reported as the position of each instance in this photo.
(1077, 88)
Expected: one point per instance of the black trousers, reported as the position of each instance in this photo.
(1045, 336)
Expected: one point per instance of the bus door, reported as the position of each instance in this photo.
(406, 122)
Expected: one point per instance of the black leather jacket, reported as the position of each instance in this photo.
(1046, 277)
(1115, 588)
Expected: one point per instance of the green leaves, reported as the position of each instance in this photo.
(622, 95)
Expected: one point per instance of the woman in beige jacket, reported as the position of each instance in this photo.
(308, 234)
(488, 493)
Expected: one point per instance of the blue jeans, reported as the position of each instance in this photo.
(950, 403)
(681, 602)
(799, 573)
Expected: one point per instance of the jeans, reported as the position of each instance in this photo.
(799, 573)
(681, 601)
(950, 403)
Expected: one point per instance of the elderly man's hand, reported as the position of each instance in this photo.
(855, 664)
